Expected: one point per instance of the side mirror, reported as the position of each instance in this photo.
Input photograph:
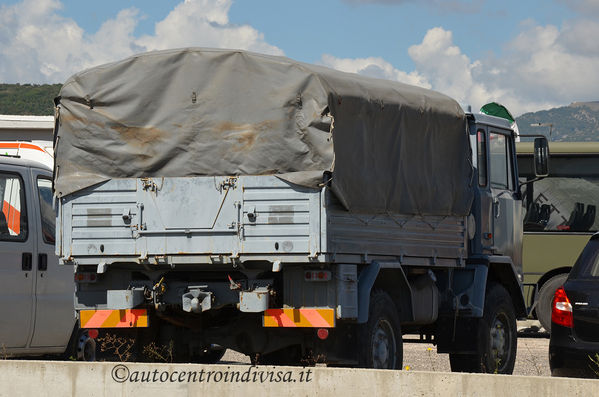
(541, 155)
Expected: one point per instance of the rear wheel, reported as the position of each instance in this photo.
(546, 299)
(209, 355)
(380, 338)
(497, 339)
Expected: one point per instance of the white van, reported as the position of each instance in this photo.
(37, 315)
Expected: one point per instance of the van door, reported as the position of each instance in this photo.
(55, 288)
(17, 250)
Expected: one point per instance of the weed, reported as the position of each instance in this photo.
(595, 364)
(162, 353)
(118, 346)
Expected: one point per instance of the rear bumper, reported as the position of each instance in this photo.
(566, 351)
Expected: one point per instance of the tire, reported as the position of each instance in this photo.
(496, 334)
(546, 299)
(211, 355)
(289, 356)
(380, 338)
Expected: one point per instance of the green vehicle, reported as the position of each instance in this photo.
(560, 217)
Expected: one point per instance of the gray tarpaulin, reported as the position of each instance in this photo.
(392, 147)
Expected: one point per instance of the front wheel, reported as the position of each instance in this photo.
(497, 337)
(380, 338)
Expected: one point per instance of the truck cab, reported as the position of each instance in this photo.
(36, 295)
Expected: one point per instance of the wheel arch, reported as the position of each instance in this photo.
(503, 273)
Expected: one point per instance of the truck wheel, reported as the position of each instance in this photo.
(289, 356)
(497, 337)
(380, 338)
(210, 355)
(546, 299)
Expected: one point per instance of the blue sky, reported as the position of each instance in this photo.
(527, 54)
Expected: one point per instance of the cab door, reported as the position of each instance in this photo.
(17, 250)
(507, 204)
(55, 288)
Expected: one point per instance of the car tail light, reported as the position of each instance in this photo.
(561, 309)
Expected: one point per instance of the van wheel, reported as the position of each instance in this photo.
(546, 299)
(496, 336)
(380, 338)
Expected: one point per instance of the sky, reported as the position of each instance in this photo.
(526, 54)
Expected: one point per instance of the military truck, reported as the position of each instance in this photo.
(219, 198)
(560, 218)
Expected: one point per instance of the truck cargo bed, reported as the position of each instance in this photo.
(198, 220)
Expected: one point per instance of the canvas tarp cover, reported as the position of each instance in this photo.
(391, 147)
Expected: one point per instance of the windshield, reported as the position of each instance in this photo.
(587, 264)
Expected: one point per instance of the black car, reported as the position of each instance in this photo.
(574, 343)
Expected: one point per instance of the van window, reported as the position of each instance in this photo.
(44, 188)
(13, 218)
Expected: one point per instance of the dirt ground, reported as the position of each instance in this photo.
(531, 359)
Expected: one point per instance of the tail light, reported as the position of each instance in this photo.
(561, 309)
(86, 277)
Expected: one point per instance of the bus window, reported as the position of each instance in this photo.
(562, 204)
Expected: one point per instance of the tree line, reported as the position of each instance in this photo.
(28, 99)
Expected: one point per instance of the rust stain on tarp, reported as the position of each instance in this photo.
(245, 134)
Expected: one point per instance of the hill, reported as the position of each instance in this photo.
(577, 122)
(28, 99)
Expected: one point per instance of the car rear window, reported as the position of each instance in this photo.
(587, 264)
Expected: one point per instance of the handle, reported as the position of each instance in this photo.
(26, 261)
(496, 208)
(42, 262)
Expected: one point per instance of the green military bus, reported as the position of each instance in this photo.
(559, 219)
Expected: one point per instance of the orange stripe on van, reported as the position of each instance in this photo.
(20, 145)
(124, 318)
(13, 217)
(290, 318)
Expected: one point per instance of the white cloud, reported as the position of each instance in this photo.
(374, 67)
(205, 23)
(542, 67)
(37, 44)
(583, 6)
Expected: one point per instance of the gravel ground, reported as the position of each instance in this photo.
(531, 359)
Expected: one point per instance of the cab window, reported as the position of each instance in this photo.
(481, 150)
(13, 218)
(501, 170)
(44, 188)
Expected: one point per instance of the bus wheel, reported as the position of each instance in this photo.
(546, 299)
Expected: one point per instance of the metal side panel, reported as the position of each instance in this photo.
(258, 216)
(97, 221)
(429, 240)
(279, 218)
(189, 216)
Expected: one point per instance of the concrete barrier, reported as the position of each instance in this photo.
(58, 378)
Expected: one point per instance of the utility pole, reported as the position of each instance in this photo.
(550, 125)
